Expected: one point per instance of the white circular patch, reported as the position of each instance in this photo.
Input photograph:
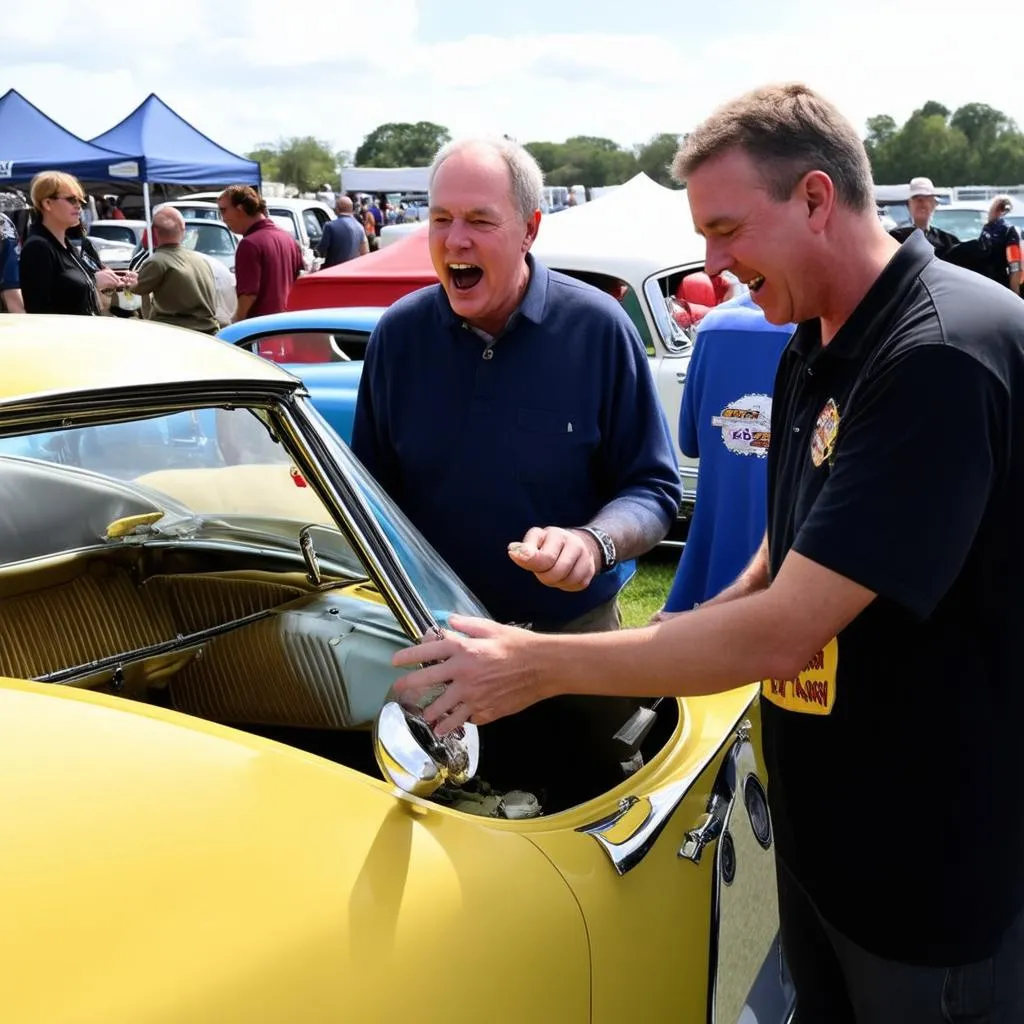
(746, 425)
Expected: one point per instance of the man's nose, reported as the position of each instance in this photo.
(716, 258)
(458, 234)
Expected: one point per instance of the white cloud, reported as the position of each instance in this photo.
(267, 72)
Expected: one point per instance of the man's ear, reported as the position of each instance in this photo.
(817, 191)
(532, 227)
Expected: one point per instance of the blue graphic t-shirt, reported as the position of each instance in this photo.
(725, 421)
(10, 252)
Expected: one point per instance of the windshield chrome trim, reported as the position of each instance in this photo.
(369, 542)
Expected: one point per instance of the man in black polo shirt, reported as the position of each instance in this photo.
(883, 612)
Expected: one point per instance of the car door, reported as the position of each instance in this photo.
(676, 880)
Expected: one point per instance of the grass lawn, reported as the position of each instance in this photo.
(646, 591)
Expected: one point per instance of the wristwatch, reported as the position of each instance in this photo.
(606, 545)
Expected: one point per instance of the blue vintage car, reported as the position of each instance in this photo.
(324, 348)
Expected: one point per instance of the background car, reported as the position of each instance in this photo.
(966, 219)
(201, 591)
(130, 231)
(303, 219)
(323, 347)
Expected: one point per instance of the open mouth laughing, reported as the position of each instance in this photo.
(464, 276)
(754, 284)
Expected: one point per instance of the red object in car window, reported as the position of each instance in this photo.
(296, 348)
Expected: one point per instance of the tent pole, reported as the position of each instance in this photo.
(148, 216)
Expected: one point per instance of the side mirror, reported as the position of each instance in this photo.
(417, 761)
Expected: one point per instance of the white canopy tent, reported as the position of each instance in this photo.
(384, 179)
(638, 229)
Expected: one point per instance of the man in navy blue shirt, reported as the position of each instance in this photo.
(725, 421)
(344, 237)
(510, 410)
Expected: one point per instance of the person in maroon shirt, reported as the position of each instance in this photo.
(268, 259)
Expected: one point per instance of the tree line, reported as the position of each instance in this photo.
(975, 144)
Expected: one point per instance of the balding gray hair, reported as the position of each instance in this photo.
(527, 177)
(169, 223)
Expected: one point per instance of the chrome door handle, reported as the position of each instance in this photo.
(710, 829)
(738, 764)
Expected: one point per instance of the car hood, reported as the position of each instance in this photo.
(159, 868)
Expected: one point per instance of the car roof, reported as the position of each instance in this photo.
(331, 318)
(124, 223)
(296, 204)
(49, 355)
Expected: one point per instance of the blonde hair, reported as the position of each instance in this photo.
(787, 131)
(48, 185)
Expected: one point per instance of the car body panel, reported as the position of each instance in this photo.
(163, 867)
(103, 353)
(212, 851)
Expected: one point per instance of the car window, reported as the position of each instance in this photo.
(965, 224)
(115, 232)
(312, 346)
(627, 297)
(212, 239)
(314, 229)
(285, 219)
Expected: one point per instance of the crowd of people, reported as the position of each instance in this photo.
(862, 526)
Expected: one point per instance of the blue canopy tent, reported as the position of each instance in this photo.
(170, 151)
(31, 142)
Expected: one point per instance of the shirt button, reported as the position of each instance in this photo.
(810, 371)
(796, 430)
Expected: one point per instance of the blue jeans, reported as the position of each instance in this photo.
(838, 982)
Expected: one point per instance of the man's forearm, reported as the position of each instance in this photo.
(754, 577)
(11, 299)
(245, 303)
(633, 527)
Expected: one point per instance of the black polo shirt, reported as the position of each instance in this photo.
(941, 241)
(897, 461)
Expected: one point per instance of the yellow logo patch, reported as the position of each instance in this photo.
(813, 692)
(826, 429)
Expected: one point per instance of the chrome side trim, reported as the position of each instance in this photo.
(659, 806)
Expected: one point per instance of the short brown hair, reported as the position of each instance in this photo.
(246, 197)
(787, 131)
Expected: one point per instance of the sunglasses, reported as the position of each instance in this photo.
(73, 200)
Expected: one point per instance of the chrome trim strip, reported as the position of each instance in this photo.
(627, 853)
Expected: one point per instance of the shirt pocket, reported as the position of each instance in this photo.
(554, 446)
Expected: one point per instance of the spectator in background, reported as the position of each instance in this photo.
(725, 421)
(1000, 242)
(55, 277)
(10, 257)
(180, 281)
(268, 260)
(344, 238)
(922, 203)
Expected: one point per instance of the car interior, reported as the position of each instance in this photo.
(105, 586)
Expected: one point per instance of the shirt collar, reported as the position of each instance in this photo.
(531, 306)
(866, 323)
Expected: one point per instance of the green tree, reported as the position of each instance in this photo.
(401, 144)
(266, 157)
(304, 163)
(981, 124)
(655, 157)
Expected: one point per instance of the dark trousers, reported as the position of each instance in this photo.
(838, 982)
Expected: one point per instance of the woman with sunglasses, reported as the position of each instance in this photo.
(54, 276)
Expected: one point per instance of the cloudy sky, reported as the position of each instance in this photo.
(534, 69)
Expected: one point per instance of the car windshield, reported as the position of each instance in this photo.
(965, 224)
(212, 475)
(284, 220)
(213, 239)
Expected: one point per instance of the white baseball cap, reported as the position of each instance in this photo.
(922, 187)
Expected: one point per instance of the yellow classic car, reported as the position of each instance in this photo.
(213, 809)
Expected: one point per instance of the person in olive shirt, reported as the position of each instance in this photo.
(922, 203)
(180, 281)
